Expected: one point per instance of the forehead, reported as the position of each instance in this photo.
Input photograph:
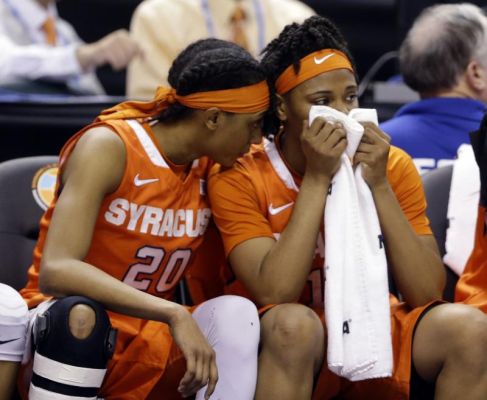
(337, 80)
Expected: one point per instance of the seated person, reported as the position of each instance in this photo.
(249, 23)
(269, 209)
(42, 52)
(129, 213)
(442, 58)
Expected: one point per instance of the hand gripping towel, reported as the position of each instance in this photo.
(356, 289)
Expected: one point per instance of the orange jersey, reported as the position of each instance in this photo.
(472, 285)
(147, 231)
(256, 199)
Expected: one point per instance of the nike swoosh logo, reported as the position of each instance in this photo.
(323, 59)
(8, 341)
(141, 182)
(277, 210)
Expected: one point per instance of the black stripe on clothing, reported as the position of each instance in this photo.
(61, 388)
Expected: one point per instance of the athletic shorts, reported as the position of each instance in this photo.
(403, 323)
(14, 318)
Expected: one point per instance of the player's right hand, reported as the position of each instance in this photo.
(200, 357)
(323, 143)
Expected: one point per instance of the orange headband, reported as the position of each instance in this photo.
(313, 64)
(247, 99)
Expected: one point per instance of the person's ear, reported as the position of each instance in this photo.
(281, 109)
(212, 118)
(476, 76)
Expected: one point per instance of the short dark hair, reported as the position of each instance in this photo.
(444, 39)
(295, 42)
(210, 64)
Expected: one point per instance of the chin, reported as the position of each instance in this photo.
(228, 163)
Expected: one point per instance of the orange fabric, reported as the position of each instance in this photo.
(162, 220)
(204, 277)
(241, 198)
(49, 28)
(146, 235)
(237, 21)
(472, 285)
(247, 99)
(403, 322)
(310, 66)
(139, 371)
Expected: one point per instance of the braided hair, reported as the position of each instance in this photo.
(210, 64)
(295, 42)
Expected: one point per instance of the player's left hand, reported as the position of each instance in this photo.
(373, 153)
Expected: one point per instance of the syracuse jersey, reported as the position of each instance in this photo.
(147, 230)
(472, 285)
(146, 235)
(256, 198)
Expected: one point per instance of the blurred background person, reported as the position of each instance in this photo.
(164, 27)
(42, 52)
(444, 59)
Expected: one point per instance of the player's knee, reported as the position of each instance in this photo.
(467, 329)
(74, 341)
(237, 322)
(230, 322)
(79, 323)
(293, 330)
(472, 328)
(82, 320)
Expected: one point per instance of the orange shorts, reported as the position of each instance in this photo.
(397, 387)
(403, 322)
(147, 362)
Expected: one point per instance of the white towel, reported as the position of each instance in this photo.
(462, 209)
(356, 288)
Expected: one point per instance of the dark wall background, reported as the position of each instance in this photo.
(372, 28)
(93, 19)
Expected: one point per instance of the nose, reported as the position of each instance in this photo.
(341, 106)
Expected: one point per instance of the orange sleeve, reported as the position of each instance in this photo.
(238, 206)
(408, 188)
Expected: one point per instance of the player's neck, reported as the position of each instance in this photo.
(290, 146)
(177, 141)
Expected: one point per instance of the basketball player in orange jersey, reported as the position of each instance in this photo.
(129, 213)
(273, 237)
(472, 285)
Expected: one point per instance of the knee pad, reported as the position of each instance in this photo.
(14, 319)
(230, 321)
(64, 364)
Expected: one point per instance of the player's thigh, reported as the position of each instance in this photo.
(443, 329)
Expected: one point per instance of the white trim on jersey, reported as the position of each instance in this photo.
(36, 393)
(67, 374)
(151, 150)
(279, 165)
